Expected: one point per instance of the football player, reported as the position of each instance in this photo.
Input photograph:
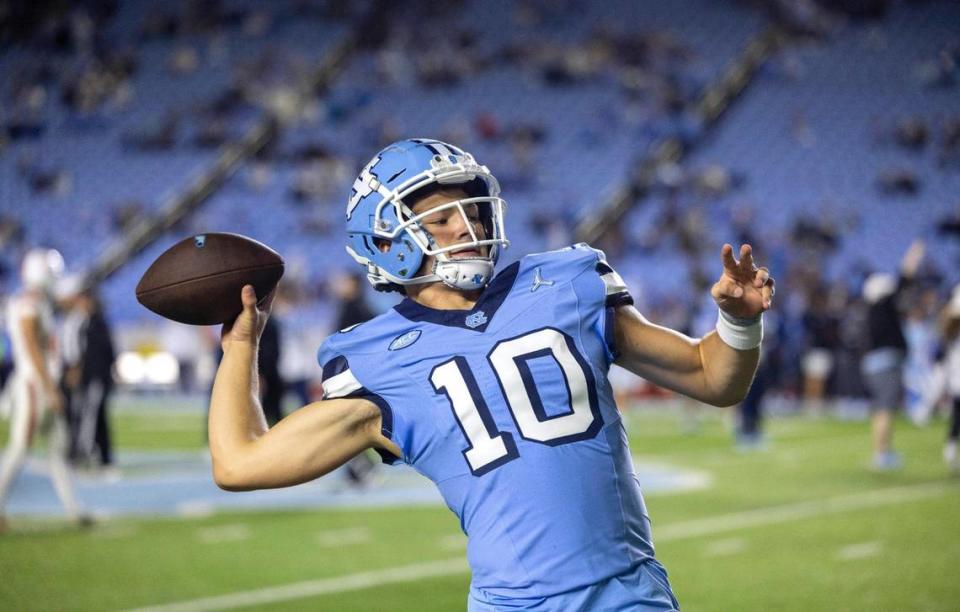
(493, 386)
(35, 396)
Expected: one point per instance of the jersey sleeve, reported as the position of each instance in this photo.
(338, 381)
(600, 291)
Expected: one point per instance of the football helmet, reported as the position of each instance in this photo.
(41, 268)
(386, 237)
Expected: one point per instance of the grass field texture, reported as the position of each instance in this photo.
(802, 525)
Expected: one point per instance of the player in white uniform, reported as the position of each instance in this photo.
(37, 403)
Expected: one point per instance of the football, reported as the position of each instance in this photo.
(198, 280)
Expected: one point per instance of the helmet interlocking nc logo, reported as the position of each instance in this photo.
(364, 185)
(388, 239)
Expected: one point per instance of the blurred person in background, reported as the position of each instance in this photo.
(822, 338)
(946, 378)
(882, 364)
(352, 306)
(268, 365)
(37, 402)
(353, 309)
(71, 344)
(749, 417)
(923, 334)
(186, 345)
(298, 349)
(92, 380)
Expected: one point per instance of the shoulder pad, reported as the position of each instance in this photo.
(566, 263)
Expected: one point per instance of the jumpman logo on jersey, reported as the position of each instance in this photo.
(538, 281)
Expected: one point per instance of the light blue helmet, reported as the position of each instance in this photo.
(378, 216)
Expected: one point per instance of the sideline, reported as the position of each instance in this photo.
(674, 531)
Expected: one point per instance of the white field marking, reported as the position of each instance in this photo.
(798, 511)
(195, 509)
(110, 532)
(340, 537)
(458, 565)
(224, 533)
(452, 543)
(161, 425)
(864, 550)
(323, 586)
(723, 548)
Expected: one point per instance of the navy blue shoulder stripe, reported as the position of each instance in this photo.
(386, 421)
(335, 366)
(619, 299)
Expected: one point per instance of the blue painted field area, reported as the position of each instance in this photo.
(180, 483)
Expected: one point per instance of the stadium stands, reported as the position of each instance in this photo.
(843, 138)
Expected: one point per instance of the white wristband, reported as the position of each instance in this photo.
(741, 334)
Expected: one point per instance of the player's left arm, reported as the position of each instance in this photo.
(707, 369)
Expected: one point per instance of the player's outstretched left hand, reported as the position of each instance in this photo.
(249, 324)
(743, 291)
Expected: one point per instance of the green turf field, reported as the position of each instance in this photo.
(801, 526)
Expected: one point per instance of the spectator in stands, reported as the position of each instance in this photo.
(949, 225)
(898, 182)
(912, 133)
(941, 71)
(11, 232)
(882, 365)
(159, 137)
(949, 154)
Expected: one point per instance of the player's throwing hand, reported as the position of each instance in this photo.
(743, 291)
(249, 324)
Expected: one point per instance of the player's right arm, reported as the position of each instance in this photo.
(307, 444)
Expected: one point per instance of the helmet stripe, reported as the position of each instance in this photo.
(443, 150)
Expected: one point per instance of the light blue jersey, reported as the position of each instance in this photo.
(507, 408)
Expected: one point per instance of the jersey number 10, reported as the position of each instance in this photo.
(489, 448)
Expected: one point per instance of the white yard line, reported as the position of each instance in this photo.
(856, 552)
(724, 548)
(342, 537)
(664, 533)
(794, 512)
(312, 588)
(224, 533)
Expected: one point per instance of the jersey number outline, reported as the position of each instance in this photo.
(489, 448)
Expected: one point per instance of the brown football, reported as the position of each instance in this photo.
(198, 280)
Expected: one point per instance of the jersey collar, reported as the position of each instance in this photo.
(477, 318)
